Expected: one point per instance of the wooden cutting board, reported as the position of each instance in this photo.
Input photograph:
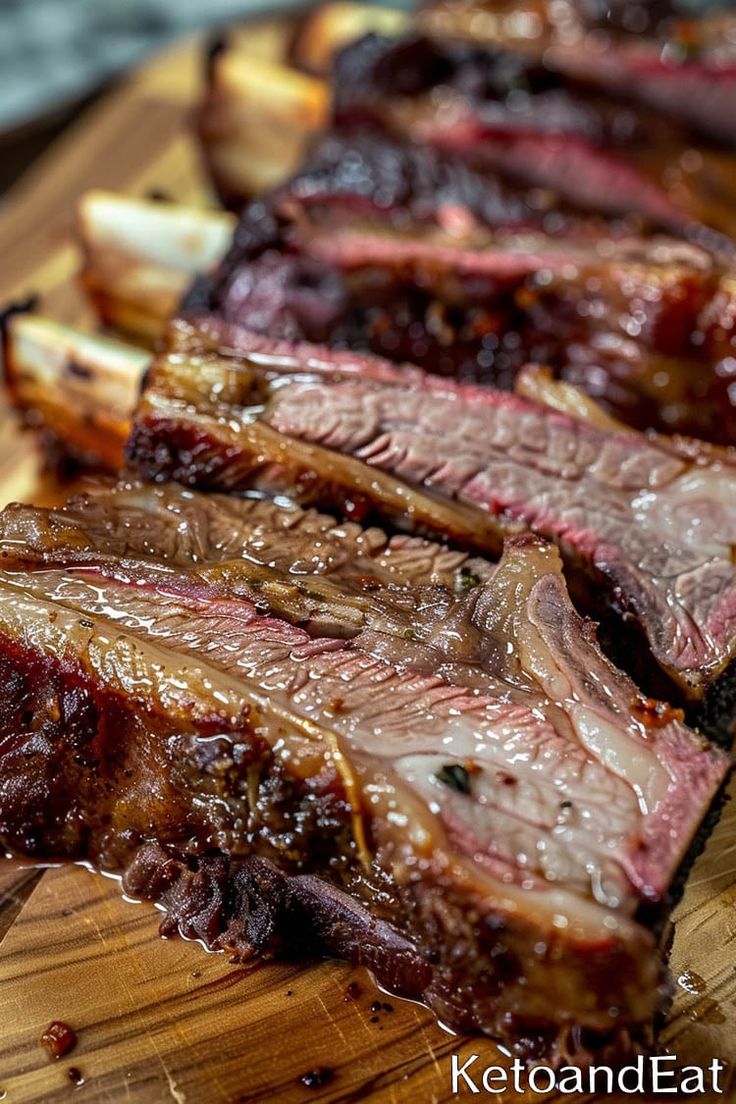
(161, 1020)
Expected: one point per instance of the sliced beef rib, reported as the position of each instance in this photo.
(411, 255)
(651, 520)
(476, 814)
(567, 128)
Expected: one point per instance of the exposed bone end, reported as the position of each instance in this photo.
(256, 121)
(141, 255)
(79, 387)
(329, 27)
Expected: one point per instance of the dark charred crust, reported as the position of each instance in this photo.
(263, 831)
(162, 452)
(372, 162)
(76, 755)
(237, 907)
(100, 772)
(716, 715)
(251, 908)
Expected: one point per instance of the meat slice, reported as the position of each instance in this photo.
(182, 529)
(479, 825)
(651, 520)
(661, 55)
(518, 115)
(415, 257)
(369, 174)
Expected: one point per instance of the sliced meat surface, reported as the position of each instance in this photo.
(410, 255)
(651, 520)
(183, 529)
(661, 55)
(604, 131)
(271, 781)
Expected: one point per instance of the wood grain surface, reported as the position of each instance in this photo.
(161, 1020)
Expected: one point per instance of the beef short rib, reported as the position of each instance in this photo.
(448, 782)
(594, 127)
(650, 54)
(229, 409)
(399, 250)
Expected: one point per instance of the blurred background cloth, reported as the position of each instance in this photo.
(55, 51)
(57, 55)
